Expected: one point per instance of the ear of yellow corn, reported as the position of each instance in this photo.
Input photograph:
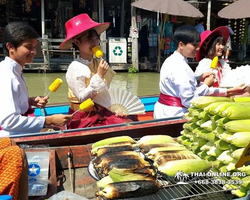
(238, 125)
(239, 139)
(241, 99)
(211, 108)
(203, 101)
(186, 166)
(231, 165)
(225, 135)
(155, 139)
(219, 130)
(237, 111)
(222, 107)
(214, 63)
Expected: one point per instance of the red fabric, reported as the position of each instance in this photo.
(96, 118)
(219, 75)
(170, 101)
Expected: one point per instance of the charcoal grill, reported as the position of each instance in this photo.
(190, 190)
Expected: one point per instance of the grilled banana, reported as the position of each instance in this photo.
(129, 189)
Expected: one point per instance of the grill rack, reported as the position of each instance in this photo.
(191, 190)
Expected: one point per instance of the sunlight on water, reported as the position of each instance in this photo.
(140, 84)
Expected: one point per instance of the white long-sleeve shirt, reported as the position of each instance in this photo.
(14, 101)
(178, 80)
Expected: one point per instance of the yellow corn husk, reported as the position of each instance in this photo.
(104, 181)
(221, 145)
(211, 137)
(199, 131)
(209, 125)
(218, 131)
(237, 111)
(231, 165)
(245, 169)
(223, 169)
(204, 115)
(194, 111)
(238, 125)
(220, 122)
(202, 121)
(120, 175)
(217, 164)
(113, 140)
(241, 192)
(210, 158)
(232, 147)
(195, 148)
(222, 107)
(181, 139)
(186, 166)
(225, 135)
(211, 108)
(245, 181)
(239, 139)
(237, 153)
(214, 151)
(165, 149)
(202, 154)
(155, 139)
(190, 126)
(225, 157)
(187, 143)
(207, 146)
(203, 101)
(241, 99)
(214, 118)
(214, 63)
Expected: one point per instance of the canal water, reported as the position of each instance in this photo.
(140, 84)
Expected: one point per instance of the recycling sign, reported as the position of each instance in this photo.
(117, 51)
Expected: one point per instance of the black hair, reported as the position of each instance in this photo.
(186, 34)
(210, 50)
(16, 33)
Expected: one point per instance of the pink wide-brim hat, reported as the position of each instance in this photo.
(207, 36)
(78, 25)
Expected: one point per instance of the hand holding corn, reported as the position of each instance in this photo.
(85, 106)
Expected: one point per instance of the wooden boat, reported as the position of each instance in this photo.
(146, 124)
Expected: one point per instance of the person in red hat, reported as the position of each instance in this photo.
(178, 83)
(212, 45)
(87, 77)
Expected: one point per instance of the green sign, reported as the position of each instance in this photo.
(117, 51)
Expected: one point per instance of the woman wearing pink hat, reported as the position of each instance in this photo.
(86, 76)
(212, 45)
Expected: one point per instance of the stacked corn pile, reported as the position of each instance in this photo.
(218, 130)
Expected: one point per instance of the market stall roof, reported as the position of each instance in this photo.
(236, 10)
(171, 7)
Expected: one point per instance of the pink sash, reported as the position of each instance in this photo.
(170, 100)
